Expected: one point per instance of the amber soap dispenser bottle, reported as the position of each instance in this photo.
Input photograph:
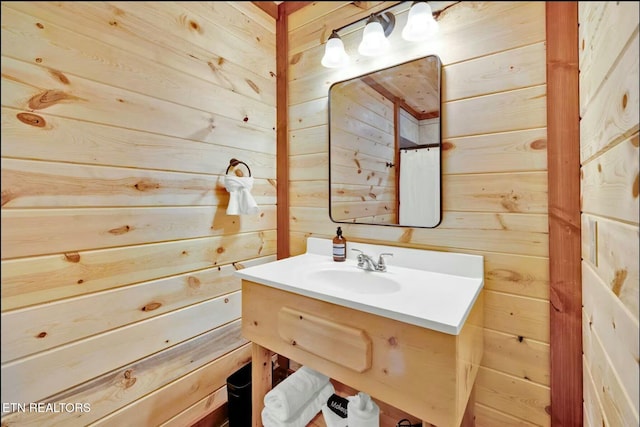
(339, 246)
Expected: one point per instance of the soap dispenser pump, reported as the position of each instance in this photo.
(339, 246)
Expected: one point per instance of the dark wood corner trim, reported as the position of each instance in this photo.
(294, 6)
(282, 133)
(563, 154)
(269, 7)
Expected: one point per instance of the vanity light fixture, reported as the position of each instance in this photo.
(420, 23)
(374, 37)
(334, 54)
(420, 26)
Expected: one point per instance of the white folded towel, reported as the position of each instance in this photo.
(304, 415)
(362, 411)
(241, 202)
(331, 419)
(293, 392)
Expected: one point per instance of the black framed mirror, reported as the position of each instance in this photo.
(385, 146)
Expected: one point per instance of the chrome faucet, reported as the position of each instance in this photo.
(365, 261)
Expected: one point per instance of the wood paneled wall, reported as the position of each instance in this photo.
(609, 99)
(494, 172)
(118, 123)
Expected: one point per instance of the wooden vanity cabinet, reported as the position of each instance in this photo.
(423, 372)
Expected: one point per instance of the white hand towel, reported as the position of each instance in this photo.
(331, 419)
(293, 392)
(305, 414)
(362, 411)
(241, 202)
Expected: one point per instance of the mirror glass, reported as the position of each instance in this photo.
(384, 146)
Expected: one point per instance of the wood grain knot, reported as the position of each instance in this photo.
(32, 119)
(253, 86)
(60, 76)
(48, 98)
(510, 202)
(39, 25)
(407, 235)
(212, 66)
(634, 188)
(505, 275)
(41, 335)
(151, 306)
(539, 144)
(220, 250)
(120, 230)
(129, 381)
(625, 99)
(7, 196)
(393, 342)
(195, 26)
(618, 281)
(447, 146)
(193, 282)
(72, 256)
(296, 58)
(146, 184)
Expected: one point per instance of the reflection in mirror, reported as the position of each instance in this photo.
(384, 146)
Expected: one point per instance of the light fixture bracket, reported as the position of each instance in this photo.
(387, 20)
(334, 35)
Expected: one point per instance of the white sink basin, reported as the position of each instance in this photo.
(353, 280)
(435, 290)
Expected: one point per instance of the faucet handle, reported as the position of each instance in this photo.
(360, 257)
(382, 266)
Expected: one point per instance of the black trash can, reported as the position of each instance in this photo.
(239, 397)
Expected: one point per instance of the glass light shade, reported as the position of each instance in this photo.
(334, 53)
(374, 42)
(420, 23)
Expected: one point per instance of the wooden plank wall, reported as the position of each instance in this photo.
(494, 173)
(364, 142)
(118, 124)
(609, 99)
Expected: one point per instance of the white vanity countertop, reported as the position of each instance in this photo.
(435, 290)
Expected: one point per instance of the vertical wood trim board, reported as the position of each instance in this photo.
(282, 132)
(563, 154)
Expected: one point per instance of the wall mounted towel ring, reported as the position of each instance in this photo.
(236, 162)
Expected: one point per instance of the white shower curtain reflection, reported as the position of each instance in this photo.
(419, 191)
